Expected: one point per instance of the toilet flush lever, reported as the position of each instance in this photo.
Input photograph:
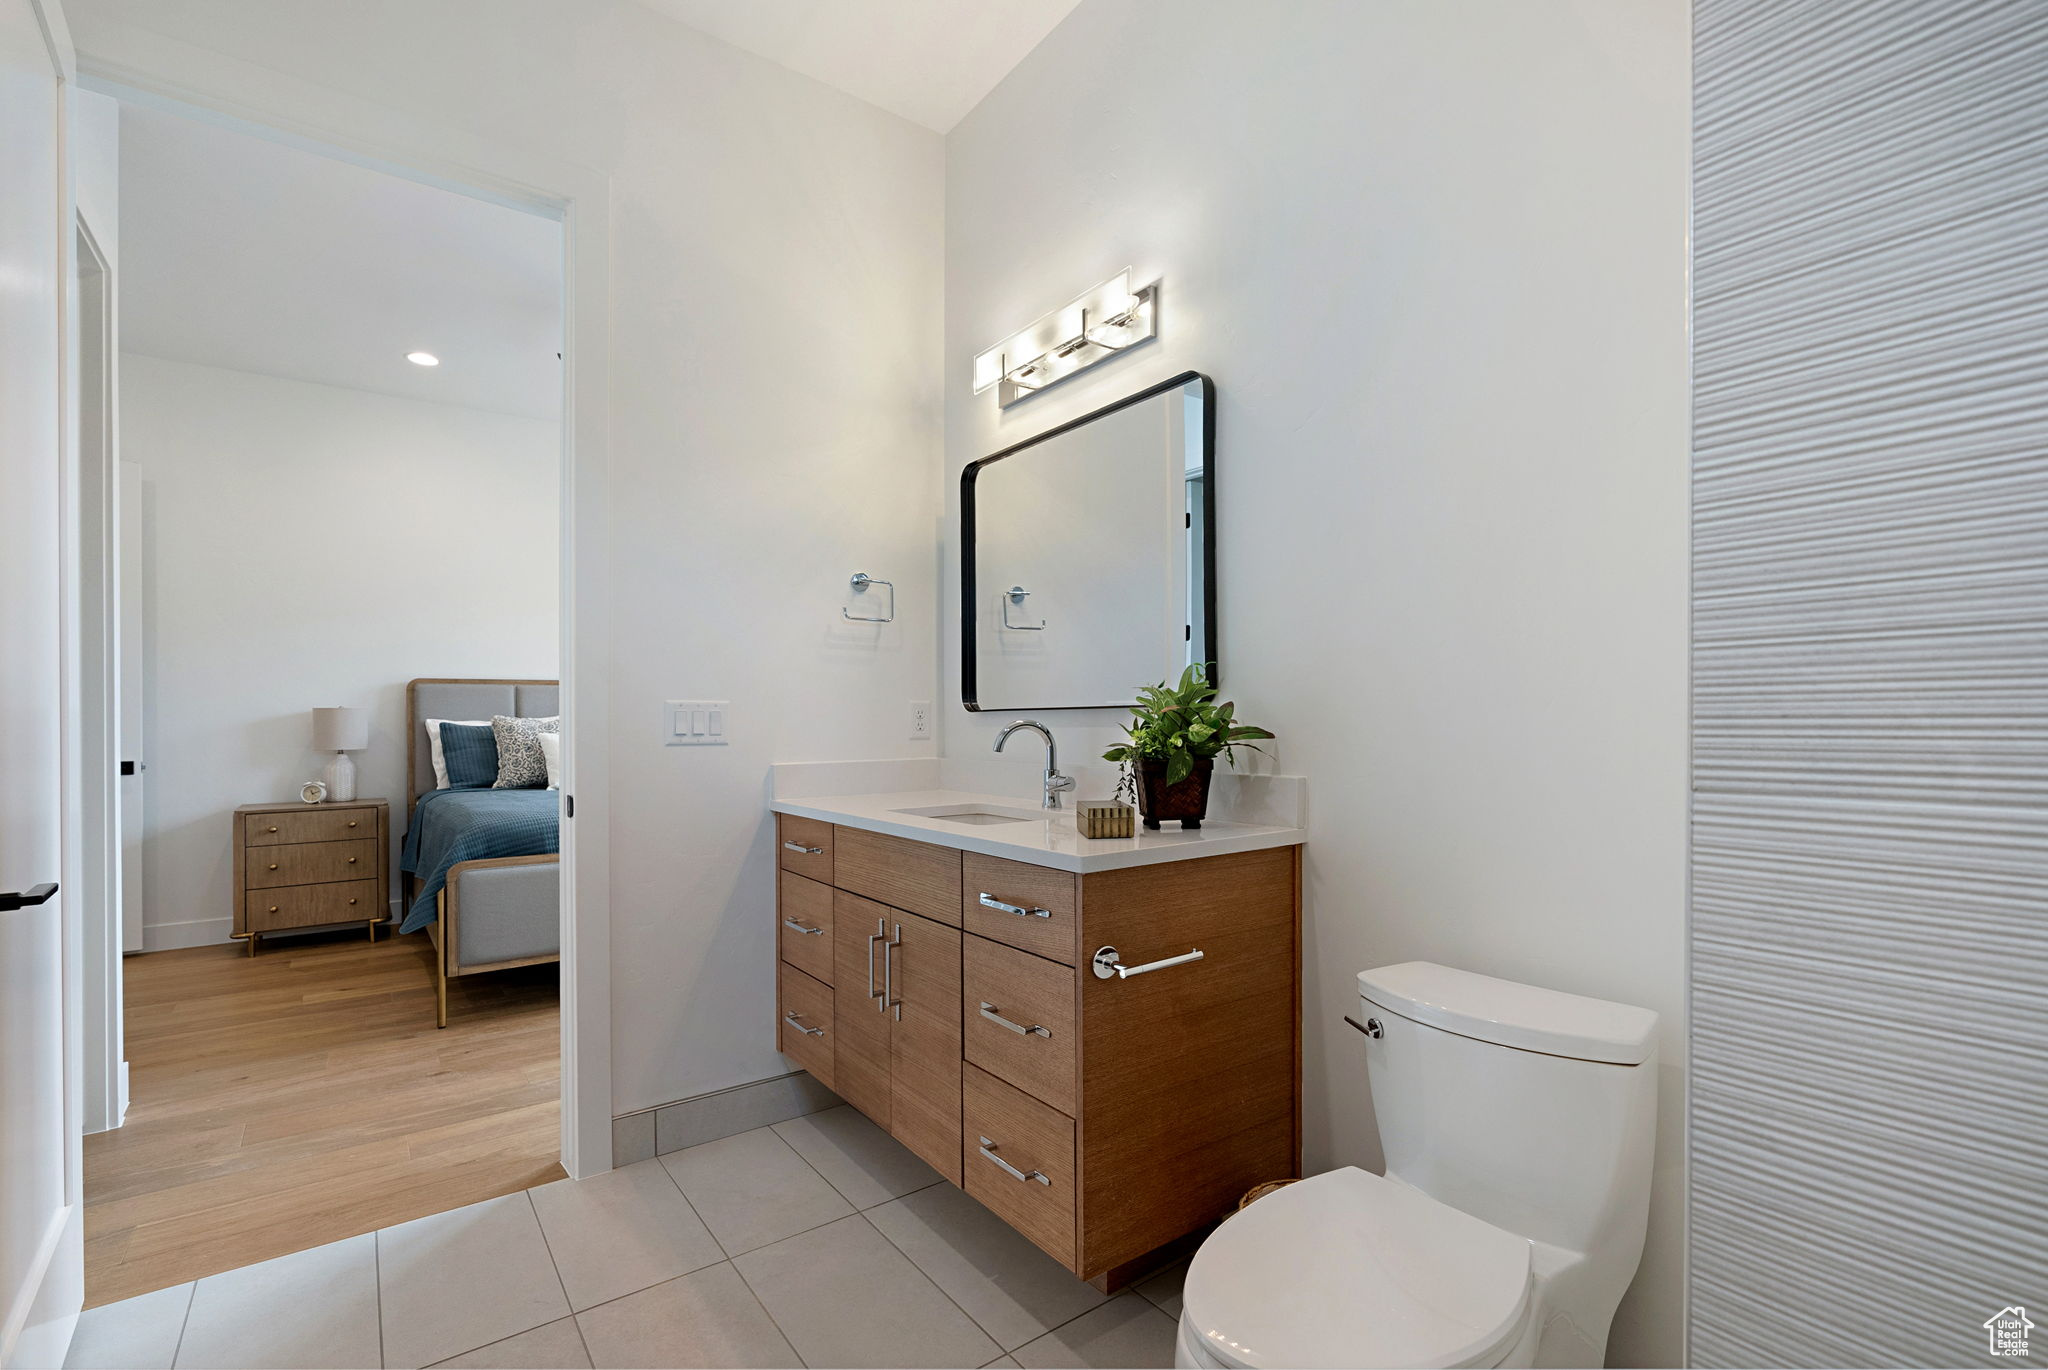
(1371, 1027)
(1107, 964)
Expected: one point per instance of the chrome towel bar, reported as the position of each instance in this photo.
(791, 1019)
(1107, 964)
(802, 928)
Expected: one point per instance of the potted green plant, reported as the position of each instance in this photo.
(1175, 737)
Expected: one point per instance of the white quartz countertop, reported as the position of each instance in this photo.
(1043, 838)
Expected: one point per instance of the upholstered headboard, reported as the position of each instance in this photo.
(425, 699)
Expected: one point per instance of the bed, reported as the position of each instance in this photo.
(482, 866)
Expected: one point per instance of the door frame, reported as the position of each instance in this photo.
(92, 562)
(130, 65)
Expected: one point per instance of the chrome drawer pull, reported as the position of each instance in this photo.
(989, 901)
(807, 851)
(1106, 964)
(881, 931)
(889, 999)
(808, 932)
(988, 1011)
(988, 1149)
(791, 1019)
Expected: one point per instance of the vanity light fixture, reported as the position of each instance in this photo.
(423, 359)
(1094, 327)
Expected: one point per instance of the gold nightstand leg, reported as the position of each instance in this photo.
(373, 930)
(252, 944)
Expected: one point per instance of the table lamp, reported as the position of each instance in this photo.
(341, 731)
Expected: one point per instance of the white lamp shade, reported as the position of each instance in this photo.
(341, 730)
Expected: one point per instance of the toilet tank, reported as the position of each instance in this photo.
(1530, 1108)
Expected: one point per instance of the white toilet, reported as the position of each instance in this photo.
(1517, 1125)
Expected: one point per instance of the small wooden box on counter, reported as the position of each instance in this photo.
(303, 866)
(951, 996)
(1105, 818)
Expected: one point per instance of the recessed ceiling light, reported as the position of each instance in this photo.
(423, 359)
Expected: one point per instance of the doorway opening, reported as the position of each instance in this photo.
(320, 554)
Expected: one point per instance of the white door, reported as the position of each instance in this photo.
(41, 1272)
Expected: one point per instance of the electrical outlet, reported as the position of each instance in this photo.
(920, 720)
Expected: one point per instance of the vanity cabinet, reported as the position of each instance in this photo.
(954, 998)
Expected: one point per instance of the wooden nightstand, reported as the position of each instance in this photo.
(311, 865)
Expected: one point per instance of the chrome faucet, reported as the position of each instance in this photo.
(1055, 783)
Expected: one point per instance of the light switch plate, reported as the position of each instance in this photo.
(696, 722)
(920, 720)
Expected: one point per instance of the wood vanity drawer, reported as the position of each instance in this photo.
(804, 1030)
(1036, 997)
(916, 876)
(310, 863)
(1049, 898)
(314, 825)
(309, 906)
(804, 845)
(1002, 1122)
(803, 926)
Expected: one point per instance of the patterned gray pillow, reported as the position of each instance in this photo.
(521, 766)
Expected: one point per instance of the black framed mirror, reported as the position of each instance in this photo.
(1088, 555)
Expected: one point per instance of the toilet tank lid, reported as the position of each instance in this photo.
(1512, 1014)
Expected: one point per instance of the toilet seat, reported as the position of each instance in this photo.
(1352, 1269)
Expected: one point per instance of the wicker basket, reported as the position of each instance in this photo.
(1260, 1191)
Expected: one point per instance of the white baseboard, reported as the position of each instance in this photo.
(205, 932)
(721, 1113)
(198, 932)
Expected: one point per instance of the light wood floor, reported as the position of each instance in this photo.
(305, 1095)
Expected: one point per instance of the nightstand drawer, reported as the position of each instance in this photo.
(308, 906)
(310, 863)
(314, 825)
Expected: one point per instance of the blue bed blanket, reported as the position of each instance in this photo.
(449, 826)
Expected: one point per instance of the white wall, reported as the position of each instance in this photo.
(1433, 253)
(309, 545)
(776, 256)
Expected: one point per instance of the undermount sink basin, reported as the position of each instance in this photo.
(976, 815)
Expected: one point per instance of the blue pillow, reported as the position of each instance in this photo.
(471, 755)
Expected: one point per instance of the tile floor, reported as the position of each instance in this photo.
(814, 1242)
